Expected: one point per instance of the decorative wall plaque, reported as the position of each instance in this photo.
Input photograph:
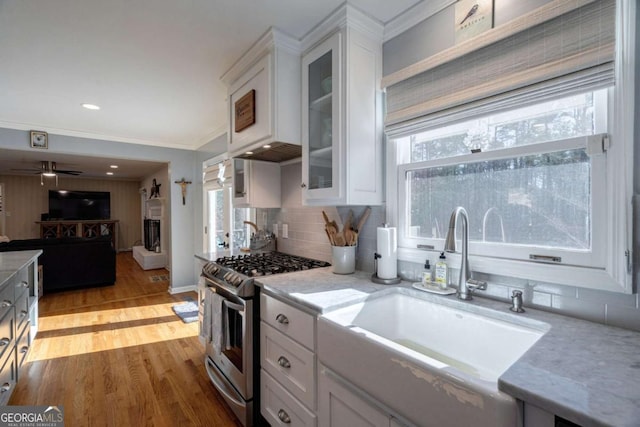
(245, 108)
(472, 18)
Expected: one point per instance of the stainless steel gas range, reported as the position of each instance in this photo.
(229, 324)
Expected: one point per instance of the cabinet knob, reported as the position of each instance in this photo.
(303, 185)
(23, 284)
(24, 349)
(284, 417)
(4, 341)
(284, 362)
(5, 387)
(282, 319)
(6, 303)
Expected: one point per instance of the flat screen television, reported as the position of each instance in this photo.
(75, 205)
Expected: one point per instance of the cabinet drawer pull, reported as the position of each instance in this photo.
(284, 417)
(303, 185)
(5, 387)
(284, 362)
(281, 318)
(4, 341)
(24, 349)
(23, 284)
(23, 313)
(5, 303)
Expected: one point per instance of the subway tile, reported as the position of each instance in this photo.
(618, 299)
(623, 317)
(582, 309)
(541, 299)
(550, 288)
(495, 291)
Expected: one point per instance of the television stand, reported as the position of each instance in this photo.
(149, 260)
(80, 228)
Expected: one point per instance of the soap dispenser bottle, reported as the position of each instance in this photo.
(442, 272)
(426, 274)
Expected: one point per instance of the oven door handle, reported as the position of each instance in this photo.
(222, 386)
(237, 307)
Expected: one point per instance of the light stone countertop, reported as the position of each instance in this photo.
(582, 371)
(11, 262)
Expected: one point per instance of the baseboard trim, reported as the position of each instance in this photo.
(183, 289)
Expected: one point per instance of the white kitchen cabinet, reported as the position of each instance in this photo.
(256, 184)
(342, 111)
(270, 68)
(339, 406)
(287, 363)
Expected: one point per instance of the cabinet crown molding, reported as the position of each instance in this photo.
(343, 17)
(273, 39)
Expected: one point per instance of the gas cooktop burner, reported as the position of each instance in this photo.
(267, 263)
(236, 273)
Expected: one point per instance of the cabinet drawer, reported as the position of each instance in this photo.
(289, 320)
(21, 284)
(22, 344)
(22, 310)
(7, 377)
(7, 296)
(288, 362)
(7, 333)
(279, 407)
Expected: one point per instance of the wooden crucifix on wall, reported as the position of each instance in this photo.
(183, 185)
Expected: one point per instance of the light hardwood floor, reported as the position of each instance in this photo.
(119, 356)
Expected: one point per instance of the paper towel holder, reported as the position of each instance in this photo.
(376, 279)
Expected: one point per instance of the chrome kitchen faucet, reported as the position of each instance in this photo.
(465, 283)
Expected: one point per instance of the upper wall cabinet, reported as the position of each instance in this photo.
(342, 111)
(264, 95)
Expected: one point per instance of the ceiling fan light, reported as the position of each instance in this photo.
(49, 174)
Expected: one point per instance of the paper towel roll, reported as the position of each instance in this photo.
(388, 251)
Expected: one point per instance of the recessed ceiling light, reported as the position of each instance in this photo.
(266, 146)
(114, 166)
(109, 173)
(91, 106)
(249, 153)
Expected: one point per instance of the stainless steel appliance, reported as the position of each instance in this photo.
(229, 321)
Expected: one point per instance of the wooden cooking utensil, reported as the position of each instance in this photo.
(347, 230)
(363, 218)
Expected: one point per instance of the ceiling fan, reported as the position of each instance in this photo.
(49, 169)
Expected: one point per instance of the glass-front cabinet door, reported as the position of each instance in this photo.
(321, 120)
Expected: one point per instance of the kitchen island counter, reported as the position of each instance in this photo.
(582, 371)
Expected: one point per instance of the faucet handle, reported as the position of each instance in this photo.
(477, 284)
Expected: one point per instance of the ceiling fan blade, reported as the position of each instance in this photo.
(75, 173)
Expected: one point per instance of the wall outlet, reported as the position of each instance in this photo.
(275, 229)
(285, 231)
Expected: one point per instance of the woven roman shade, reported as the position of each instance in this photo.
(563, 47)
(217, 175)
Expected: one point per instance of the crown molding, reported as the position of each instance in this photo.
(345, 15)
(269, 41)
(101, 137)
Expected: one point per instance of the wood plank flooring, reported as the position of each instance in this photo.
(119, 356)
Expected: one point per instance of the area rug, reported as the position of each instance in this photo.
(187, 311)
(159, 278)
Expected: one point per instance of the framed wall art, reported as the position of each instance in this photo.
(245, 111)
(39, 139)
(472, 17)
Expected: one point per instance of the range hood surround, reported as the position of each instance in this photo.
(276, 152)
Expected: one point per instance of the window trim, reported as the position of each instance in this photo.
(616, 276)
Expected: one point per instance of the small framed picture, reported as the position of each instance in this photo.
(39, 139)
(473, 17)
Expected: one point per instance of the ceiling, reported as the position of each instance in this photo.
(91, 167)
(153, 66)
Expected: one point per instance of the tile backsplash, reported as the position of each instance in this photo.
(610, 308)
(307, 238)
